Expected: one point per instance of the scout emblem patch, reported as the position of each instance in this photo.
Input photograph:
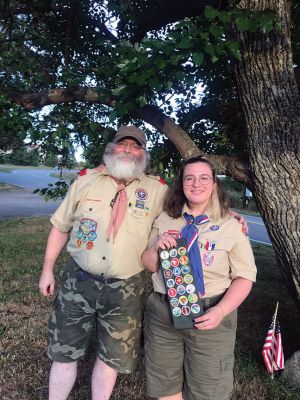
(86, 233)
(185, 304)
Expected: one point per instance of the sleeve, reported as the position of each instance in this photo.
(63, 217)
(241, 259)
(153, 237)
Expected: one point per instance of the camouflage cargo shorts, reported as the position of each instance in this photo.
(116, 310)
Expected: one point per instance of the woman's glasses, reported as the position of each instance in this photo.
(190, 180)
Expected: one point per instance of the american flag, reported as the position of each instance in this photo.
(272, 351)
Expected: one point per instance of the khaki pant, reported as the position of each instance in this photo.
(199, 363)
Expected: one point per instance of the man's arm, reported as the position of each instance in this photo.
(55, 244)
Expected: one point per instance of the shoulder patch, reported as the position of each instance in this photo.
(82, 172)
(162, 181)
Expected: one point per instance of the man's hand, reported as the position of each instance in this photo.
(47, 283)
(241, 220)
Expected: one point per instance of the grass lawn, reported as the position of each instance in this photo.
(10, 167)
(23, 328)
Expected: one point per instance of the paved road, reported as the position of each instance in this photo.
(257, 230)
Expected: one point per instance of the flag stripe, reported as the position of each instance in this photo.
(272, 350)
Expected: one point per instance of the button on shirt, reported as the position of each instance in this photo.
(231, 256)
(86, 212)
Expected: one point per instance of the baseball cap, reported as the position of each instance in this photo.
(131, 131)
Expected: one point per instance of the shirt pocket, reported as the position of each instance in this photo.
(138, 221)
(214, 255)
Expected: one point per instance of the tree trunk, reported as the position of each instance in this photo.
(270, 100)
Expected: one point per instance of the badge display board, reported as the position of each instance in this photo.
(179, 281)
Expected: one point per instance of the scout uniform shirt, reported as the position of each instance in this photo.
(225, 251)
(86, 211)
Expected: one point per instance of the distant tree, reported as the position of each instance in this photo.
(23, 156)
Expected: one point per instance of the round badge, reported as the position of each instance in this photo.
(174, 262)
(176, 271)
(164, 255)
(92, 235)
(186, 269)
(141, 194)
(183, 260)
(214, 227)
(183, 300)
(195, 308)
(182, 251)
(80, 233)
(179, 280)
(172, 292)
(193, 298)
(173, 252)
(174, 302)
(89, 245)
(188, 278)
(166, 264)
(176, 312)
(181, 290)
(208, 259)
(78, 243)
(170, 282)
(168, 273)
(186, 310)
(190, 288)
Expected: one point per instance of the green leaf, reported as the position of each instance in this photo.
(198, 58)
(210, 12)
(234, 48)
(266, 22)
(185, 43)
(242, 23)
(216, 30)
(224, 16)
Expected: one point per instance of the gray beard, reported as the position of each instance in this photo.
(124, 170)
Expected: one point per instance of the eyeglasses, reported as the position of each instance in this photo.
(190, 180)
(132, 146)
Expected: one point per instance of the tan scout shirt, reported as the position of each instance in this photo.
(231, 257)
(86, 213)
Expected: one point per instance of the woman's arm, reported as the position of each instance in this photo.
(150, 255)
(235, 295)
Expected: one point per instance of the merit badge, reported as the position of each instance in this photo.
(176, 312)
(188, 278)
(176, 271)
(173, 252)
(195, 308)
(174, 262)
(186, 310)
(182, 251)
(183, 300)
(183, 260)
(168, 273)
(193, 298)
(141, 194)
(164, 255)
(172, 292)
(166, 264)
(179, 280)
(181, 290)
(170, 282)
(174, 302)
(208, 259)
(214, 227)
(140, 204)
(190, 288)
(186, 269)
(86, 233)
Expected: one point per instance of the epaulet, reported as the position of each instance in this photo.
(157, 178)
(82, 172)
(162, 181)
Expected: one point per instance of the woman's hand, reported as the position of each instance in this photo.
(210, 320)
(165, 242)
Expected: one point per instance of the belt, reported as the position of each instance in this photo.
(84, 276)
(205, 303)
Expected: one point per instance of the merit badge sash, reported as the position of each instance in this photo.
(183, 297)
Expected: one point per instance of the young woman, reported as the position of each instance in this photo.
(197, 363)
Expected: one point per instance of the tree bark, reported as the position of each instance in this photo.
(270, 100)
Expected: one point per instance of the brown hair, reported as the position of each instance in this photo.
(175, 198)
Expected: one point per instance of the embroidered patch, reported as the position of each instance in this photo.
(173, 232)
(208, 259)
(214, 227)
(86, 233)
(141, 194)
(140, 204)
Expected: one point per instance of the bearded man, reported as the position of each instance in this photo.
(107, 216)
